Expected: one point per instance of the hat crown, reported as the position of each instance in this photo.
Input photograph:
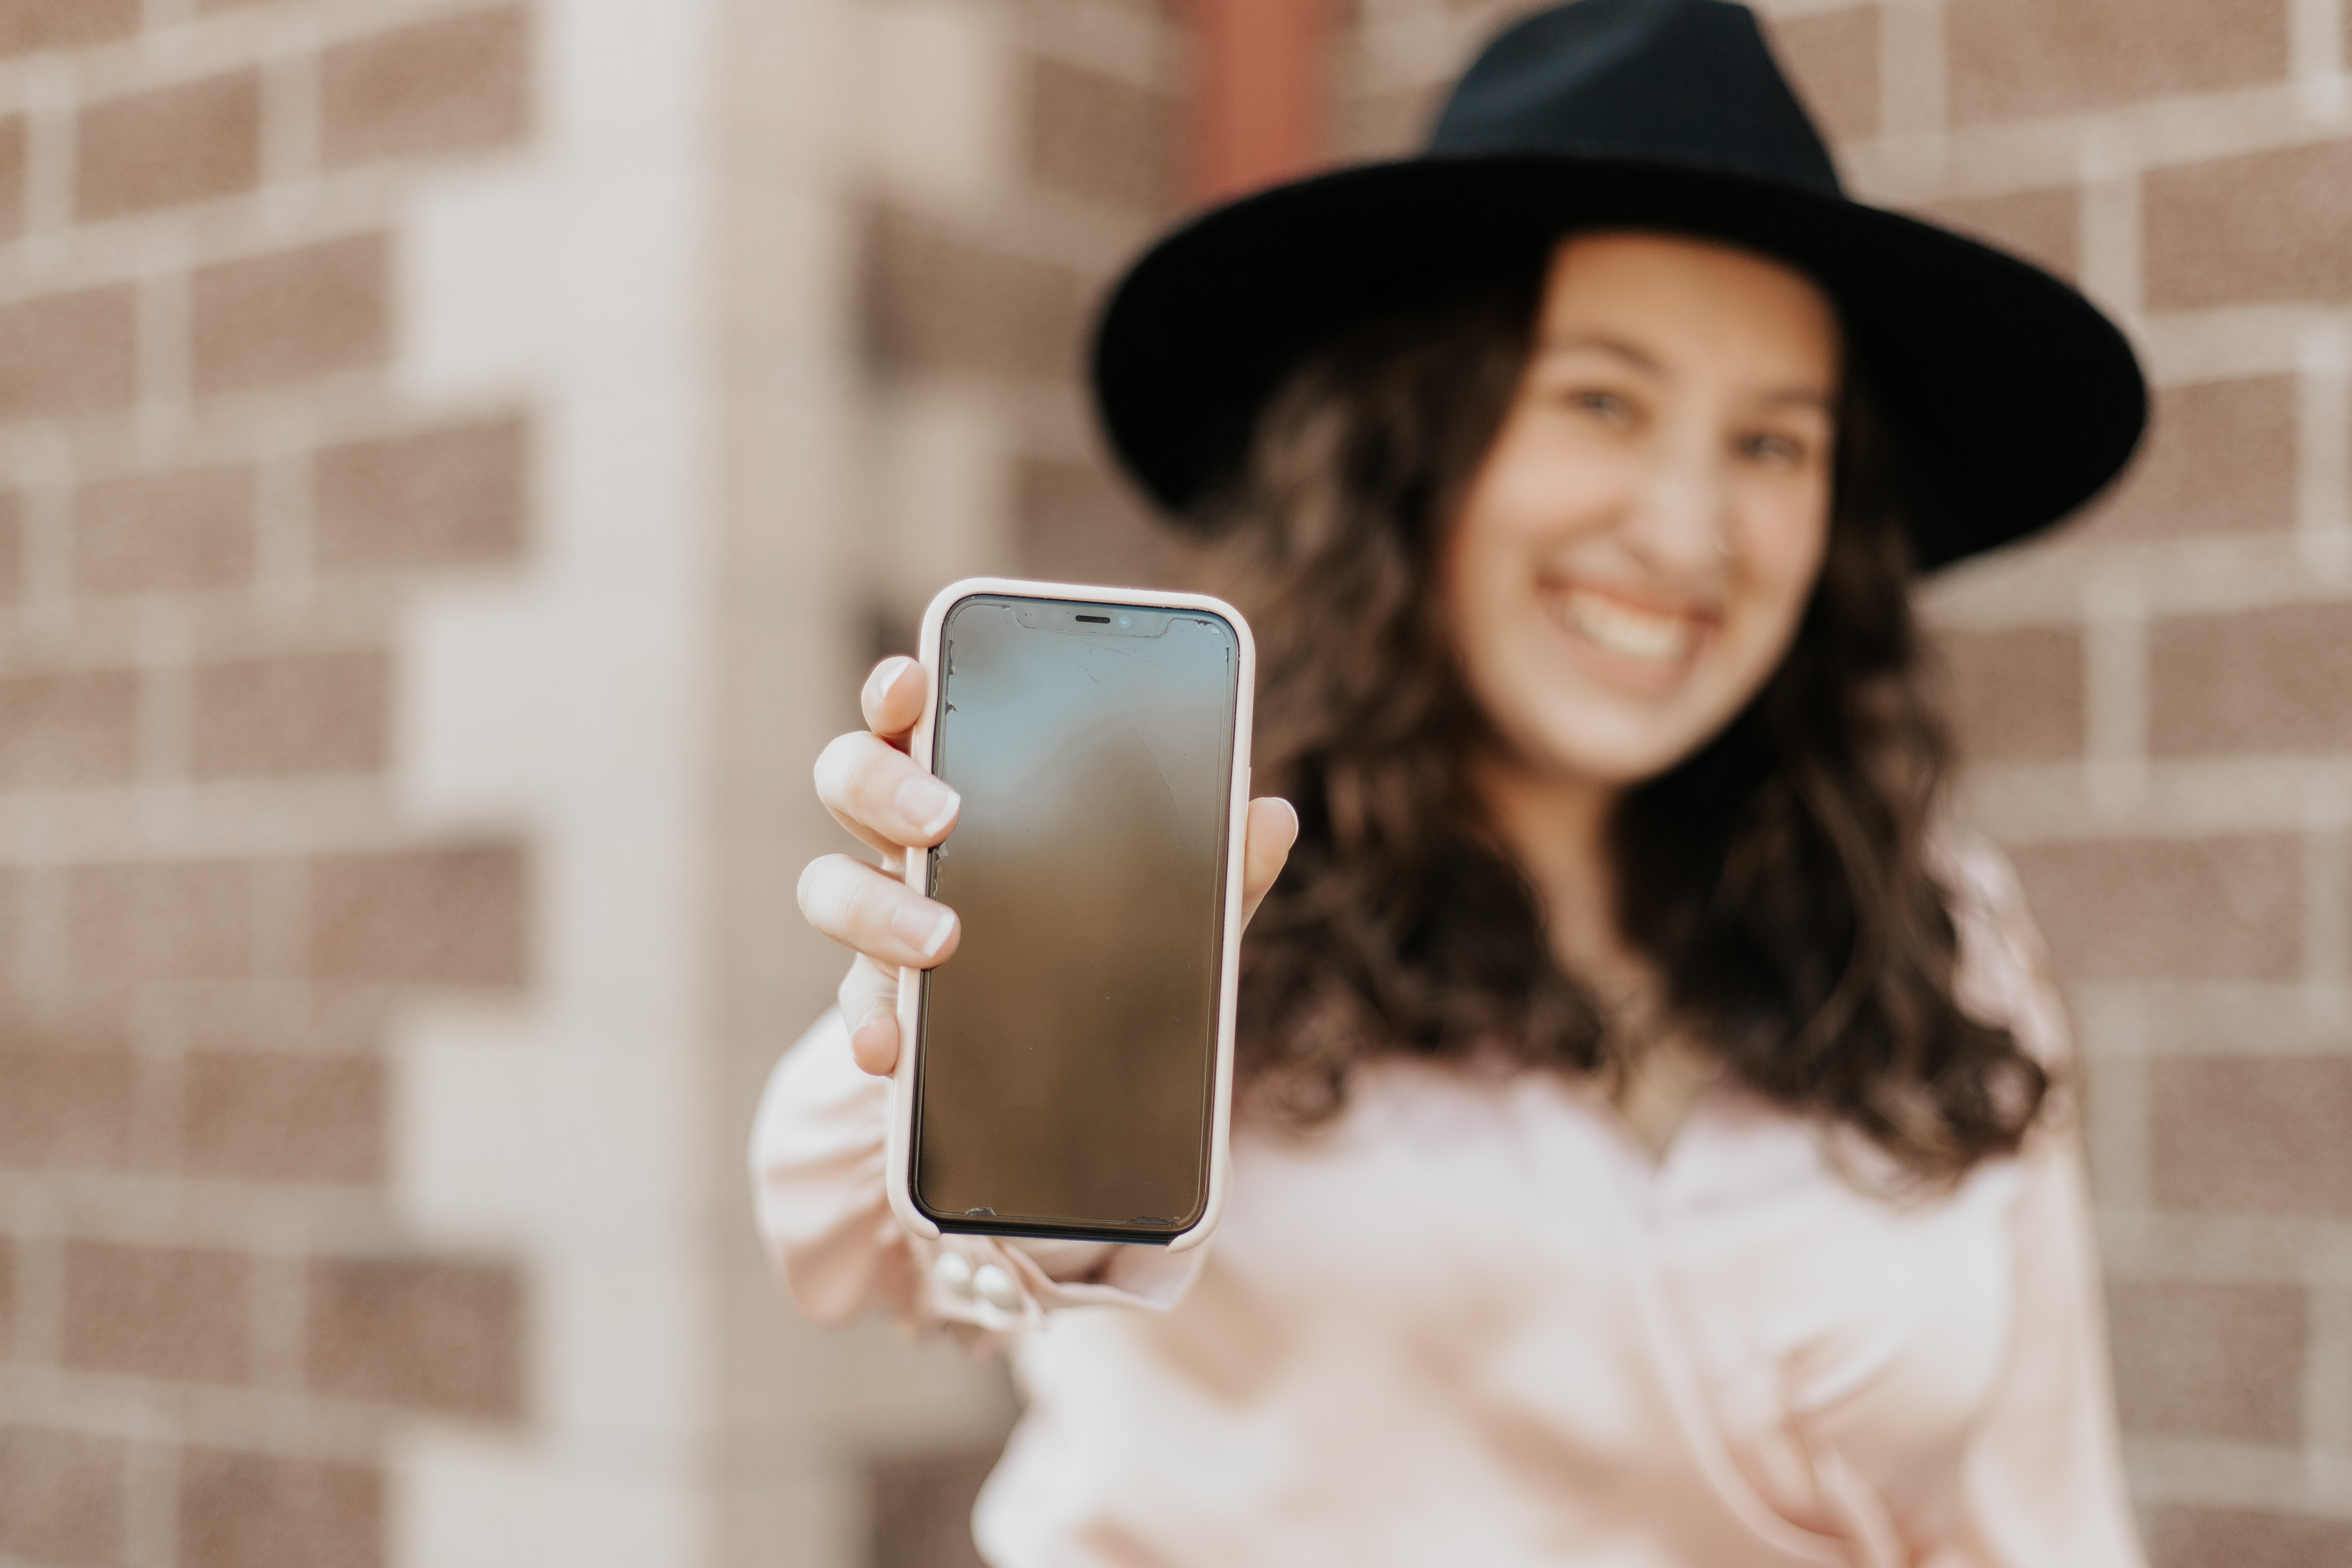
(1678, 81)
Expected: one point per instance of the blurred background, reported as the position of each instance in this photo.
(456, 461)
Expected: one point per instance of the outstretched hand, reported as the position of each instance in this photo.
(874, 790)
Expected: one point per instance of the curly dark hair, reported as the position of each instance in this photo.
(1776, 879)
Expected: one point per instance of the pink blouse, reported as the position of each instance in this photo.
(1471, 1322)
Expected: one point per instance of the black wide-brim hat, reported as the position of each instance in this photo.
(2014, 399)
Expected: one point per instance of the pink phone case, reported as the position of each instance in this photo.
(900, 1180)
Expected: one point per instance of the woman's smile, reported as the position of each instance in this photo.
(1632, 640)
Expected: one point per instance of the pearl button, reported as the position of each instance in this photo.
(995, 1287)
(952, 1272)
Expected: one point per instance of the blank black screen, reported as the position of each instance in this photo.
(1068, 1064)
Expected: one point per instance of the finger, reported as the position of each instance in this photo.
(878, 793)
(879, 915)
(869, 1005)
(874, 1045)
(1273, 828)
(893, 698)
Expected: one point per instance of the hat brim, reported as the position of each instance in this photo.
(2015, 397)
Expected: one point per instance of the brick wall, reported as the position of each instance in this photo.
(981, 287)
(2156, 704)
(216, 500)
(332, 554)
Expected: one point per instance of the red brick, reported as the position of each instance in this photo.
(314, 713)
(292, 315)
(61, 1498)
(157, 1311)
(434, 1334)
(2220, 458)
(455, 85)
(2017, 58)
(2163, 908)
(2209, 1360)
(65, 1109)
(2268, 680)
(266, 1510)
(12, 176)
(185, 920)
(2044, 226)
(1833, 56)
(450, 497)
(2233, 1538)
(12, 547)
(2265, 228)
(30, 24)
(187, 142)
(65, 354)
(170, 533)
(13, 977)
(2017, 696)
(2252, 1135)
(72, 728)
(427, 917)
(285, 1118)
(938, 301)
(1100, 136)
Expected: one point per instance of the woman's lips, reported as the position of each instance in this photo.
(1653, 644)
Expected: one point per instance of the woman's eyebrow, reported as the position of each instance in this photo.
(1632, 353)
(1617, 348)
(1802, 397)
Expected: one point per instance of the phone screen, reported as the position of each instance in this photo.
(1065, 1078)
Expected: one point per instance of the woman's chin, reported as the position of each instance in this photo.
(1619, 750)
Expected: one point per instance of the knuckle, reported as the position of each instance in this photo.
(866, 986)
(835, 766)
(862, 770)
(838, 896)
(868, 904)
(815, 889)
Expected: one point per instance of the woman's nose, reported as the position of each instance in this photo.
(1681, 522)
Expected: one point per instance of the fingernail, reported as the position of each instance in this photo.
(926, 800)
(885, 675)
(924, 926)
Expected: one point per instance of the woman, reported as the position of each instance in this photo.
(1655, 1144)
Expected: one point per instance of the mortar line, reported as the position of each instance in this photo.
(2114, 687)
(2323, 449)
(2327, 1372)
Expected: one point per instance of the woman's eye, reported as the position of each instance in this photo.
(1606, 406)
(1766, 447)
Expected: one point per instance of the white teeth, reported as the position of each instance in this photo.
(1617, 627)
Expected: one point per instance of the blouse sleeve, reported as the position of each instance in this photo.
(818, 1150)
(2042, 1483)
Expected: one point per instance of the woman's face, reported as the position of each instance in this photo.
(1633, 557)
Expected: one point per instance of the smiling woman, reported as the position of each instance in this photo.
(1621, 464)
(1653, 1146)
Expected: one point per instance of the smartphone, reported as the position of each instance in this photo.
(1070, 1067)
